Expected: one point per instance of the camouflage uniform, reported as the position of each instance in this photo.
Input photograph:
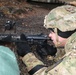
(63, 18)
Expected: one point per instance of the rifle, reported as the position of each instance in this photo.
(30, 38)
(40, 41)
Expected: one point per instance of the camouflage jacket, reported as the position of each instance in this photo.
(66, 65)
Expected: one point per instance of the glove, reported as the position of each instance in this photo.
(22, 47)
(51, 50)
(45, 50)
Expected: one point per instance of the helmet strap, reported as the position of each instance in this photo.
(57, 41)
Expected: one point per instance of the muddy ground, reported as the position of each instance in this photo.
(28, 18)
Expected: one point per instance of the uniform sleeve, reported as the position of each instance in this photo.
(33, 64)
(65, 66)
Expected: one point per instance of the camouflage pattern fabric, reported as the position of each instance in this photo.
(71, 44)
(31, 61)
(63, 18)
(60, 53)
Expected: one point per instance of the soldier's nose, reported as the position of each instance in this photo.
(50, 35)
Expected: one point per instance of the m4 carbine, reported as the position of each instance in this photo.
(40, 41)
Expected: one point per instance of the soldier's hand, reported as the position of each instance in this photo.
(73, 3)
(46, 50)
(22, 47)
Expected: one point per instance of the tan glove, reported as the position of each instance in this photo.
(73, 3)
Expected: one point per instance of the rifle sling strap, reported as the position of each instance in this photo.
(35, 69)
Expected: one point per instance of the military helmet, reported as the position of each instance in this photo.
(62, 18)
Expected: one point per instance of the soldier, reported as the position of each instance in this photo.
(62, 20)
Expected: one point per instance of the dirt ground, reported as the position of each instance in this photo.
(29, 19)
